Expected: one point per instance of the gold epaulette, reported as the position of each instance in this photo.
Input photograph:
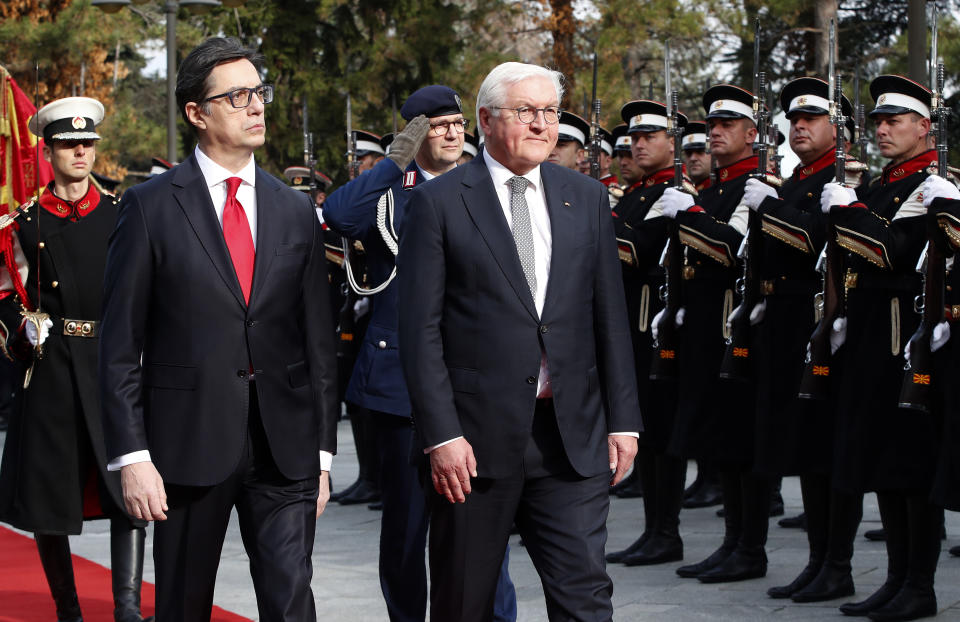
(950, 225)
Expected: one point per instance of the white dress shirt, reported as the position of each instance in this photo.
(216, 178)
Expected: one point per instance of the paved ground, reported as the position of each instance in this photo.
(347, 589)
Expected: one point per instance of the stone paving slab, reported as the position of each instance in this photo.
(347, 587)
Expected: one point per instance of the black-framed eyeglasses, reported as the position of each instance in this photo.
(241, 98)
(527, 114)
(440, 128)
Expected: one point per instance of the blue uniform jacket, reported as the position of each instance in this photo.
(377, 380)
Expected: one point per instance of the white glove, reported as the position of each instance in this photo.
(673, 201)
(759, 310)
(936, 187)
(835, 194)
(38, 339)
(361, 307)
(655, 324)
(838, 334)
(755, 192)
(941, 335)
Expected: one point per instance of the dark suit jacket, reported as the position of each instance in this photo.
(470, 338)
(171, 292)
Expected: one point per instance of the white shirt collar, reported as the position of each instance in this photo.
(501, 174)
(215, 174)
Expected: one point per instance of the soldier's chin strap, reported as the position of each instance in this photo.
(389, 236)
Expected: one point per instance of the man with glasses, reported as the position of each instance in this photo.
(517, 356)
(372, 209)
(217, 353)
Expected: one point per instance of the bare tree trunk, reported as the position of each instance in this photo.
(562, 25)
(823, 12)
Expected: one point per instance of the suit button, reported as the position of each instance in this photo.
(55, 284)
(382, 345)
(251, 322)
(543, 328)
(241, 373)
(41, 245)
(531, 379)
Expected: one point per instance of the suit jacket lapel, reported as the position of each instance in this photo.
(190, 191)
(266, 229)
(480, 199)
(562, 227)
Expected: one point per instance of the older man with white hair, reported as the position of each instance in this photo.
(522, 385)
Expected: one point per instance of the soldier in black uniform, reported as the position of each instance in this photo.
(715, 418)
(571, 139)
(54, 473)
(878, 446)
(641, 235)
(705, 489)
(794, 436)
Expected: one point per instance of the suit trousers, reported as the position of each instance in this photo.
(277, 523)
(562, 520)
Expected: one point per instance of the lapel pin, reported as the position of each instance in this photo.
(566, 204)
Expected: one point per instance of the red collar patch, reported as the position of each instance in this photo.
(915, 165)
(63, 208)
(742, 167)
(827, 159)
(662, 176)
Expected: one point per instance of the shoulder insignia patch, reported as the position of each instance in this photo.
(409, 179)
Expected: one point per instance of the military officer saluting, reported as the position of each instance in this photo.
(885, 449)
(54, 473)
(641, 230)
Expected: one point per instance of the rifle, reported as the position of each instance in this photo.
(664, 364)
(353, 167)
(595, 138)
(859, 128)
(737, 358)
(815, 379)
(916, 391)
(308, 160)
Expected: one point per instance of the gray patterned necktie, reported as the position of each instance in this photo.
(522, 232)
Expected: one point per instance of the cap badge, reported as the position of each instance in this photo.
(802, 100)
(881, 100)
(717, 104)
(459, 103)
(79, 123)
(297, 181)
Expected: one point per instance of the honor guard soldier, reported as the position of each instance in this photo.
(880, 447)
(573, 134)
(369, 150)
(695, 156)
(629, 174)
(471, 147)
(371, 209)
(607, 178)
(794, 436)
(705, 489)
(715, 418)
(641, 230)
(158, 166)
(54, 473)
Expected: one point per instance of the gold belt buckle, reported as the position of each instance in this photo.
(79, 328)
(688, 273)
(766, 287)
(850, 279)
(953, 312)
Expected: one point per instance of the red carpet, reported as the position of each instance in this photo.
(25, 597)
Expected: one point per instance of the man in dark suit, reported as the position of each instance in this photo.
(516, 350)
(217, 353)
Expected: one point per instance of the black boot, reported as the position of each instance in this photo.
(916, 599)
(816, 504)
(835, 579)
(893, 513)
(126, 569)
(794, 522)
(732, 524)
(776, 499)
(58, 568)
(708, 492)
(955, 551)
(664, 544)
(749, 559)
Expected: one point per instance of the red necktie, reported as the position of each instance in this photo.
(236, 232)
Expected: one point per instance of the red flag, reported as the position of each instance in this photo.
(18, 152)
